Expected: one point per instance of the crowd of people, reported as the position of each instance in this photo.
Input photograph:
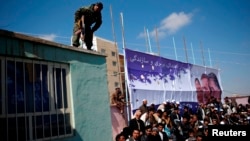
(170, 121)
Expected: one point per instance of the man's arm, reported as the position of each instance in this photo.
(82, 28)
(82, 20)
(98, 23)
(80, 12)
(113, 101)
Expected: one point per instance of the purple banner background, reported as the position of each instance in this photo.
(159, 79)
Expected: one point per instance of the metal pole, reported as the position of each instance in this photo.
(209, 58)
(145, 33)
(150, 50)
(185, 48)
(125, 70)
(202, 54)
(117, 49)
(176, 58)
(192, 52)
(157, 41)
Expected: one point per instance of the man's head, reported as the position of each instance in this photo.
(137, 114)
(144, 102)
(135, 134)
(154, 131)
(148, 130)
(160, 127)
(176, 109)
(120, 137)
(98, 6)
(118, 90)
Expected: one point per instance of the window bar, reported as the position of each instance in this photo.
(24, 95)
(63, 106)
(34, 99)
(70, 101)
(56, 101)
(55, 92)
(50, 87)
(3, 84)
(29, 116)
(6, 98)
(41, 80)
(15, 79)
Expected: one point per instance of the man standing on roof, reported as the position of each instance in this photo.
(85, 17)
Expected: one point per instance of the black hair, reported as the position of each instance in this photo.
(118, 136)
(148, 127)
(212, 75)
(100, 5)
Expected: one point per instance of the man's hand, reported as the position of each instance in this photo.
(82, 36)
(78, 32)
(83, 33)
(83, 26)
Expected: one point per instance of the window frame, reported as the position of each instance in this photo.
(31, 116)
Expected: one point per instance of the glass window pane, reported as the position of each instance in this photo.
(67, 124)
(58, 87)
(39, 127)
(29, 87)
(20, 87)
(12, 128)
(64, 88)
(21, 128)
(3, 129)
(11, 100)
(47, 125)
(45, 88)
(61, 124)
(28, 129)
(54, 125)
(1, 85)
(37, 83)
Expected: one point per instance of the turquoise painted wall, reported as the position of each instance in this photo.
(88, 82)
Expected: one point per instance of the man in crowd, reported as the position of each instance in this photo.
(117, 99)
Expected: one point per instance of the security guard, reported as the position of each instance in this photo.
(85, 17)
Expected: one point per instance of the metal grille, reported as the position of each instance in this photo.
(34, 100)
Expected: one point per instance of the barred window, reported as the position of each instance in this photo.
(103, 51)
(34, 100)
(116, 84)
(114, 63)
(113, 53)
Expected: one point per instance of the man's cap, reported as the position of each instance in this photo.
(211, 105)
(155, 129)
(100, 5)
(222, 123)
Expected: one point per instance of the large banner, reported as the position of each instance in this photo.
(159, 79)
